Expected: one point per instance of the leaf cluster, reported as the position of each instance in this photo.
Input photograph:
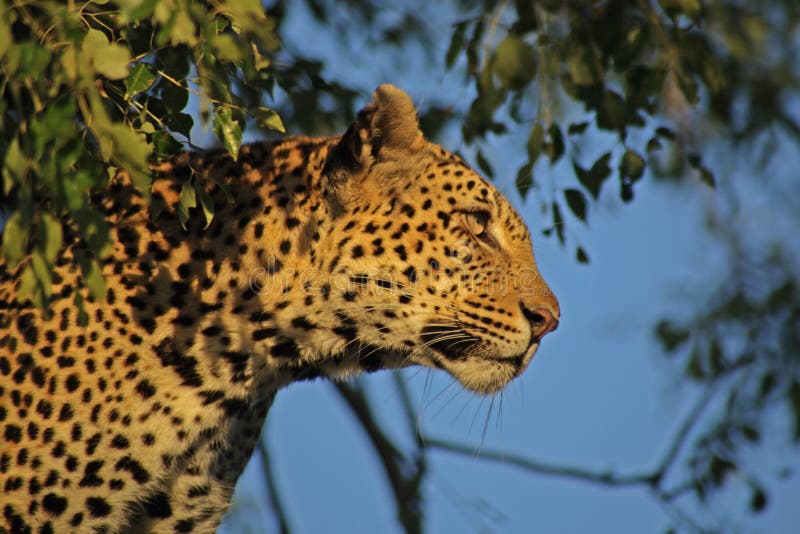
(650, 67)
(91, 87)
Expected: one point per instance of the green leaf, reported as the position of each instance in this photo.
(136, 10)
(706, 176)
(631, 166)
(558, 222)
(140, 79)
(577, 128)
(42, 272)
(581, 256)
(555, 146)
(576, 202)
(514, 62)
(188, 200)
(206, 204)
(15, 166)
(671, 336)
(109, 59)
(524, 179)
(5, 36)
(226, 48)
(52, 237)
(268, 118)
(164, 145)
(14, 239)
(794, 403)
(484, 164)
(456, 44)
(227, 130)
(93, 277)
(593, 179)
(758, 500)
(535, 143)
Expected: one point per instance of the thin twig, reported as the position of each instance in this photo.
(274, 492)
(599, 477)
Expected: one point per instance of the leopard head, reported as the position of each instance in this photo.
(427, 260)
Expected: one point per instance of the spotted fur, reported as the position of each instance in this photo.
(368, 251)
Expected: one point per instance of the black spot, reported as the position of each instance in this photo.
(157, 505)
(54, 504)
(184, 525)
(292, 222)
(145, 389)
(72, 383)
(285, 349)
(264, 333)
(401, 252)
(133, 467)
(211, 331)
(303, 323)
(90, 478)
(286, 246)
(358, 251)
(13, 433)
(184, 366)
(76, 520)
(27, 327)
(258, 230)
(92, 443)
(120, 442)
(98, 507)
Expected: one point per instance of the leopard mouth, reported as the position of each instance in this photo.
(461, 355)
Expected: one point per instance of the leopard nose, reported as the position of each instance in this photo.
(542, 321)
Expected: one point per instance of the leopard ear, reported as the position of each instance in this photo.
(386, 129)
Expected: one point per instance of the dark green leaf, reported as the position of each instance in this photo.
(794, 403)
(484, 164)
(577, 128)
(524, 179)
(581, 256)
(456, 44)
(576, 202)
(558, 222)
(141, 77)
(671, 336)
(758, 500)
(593, 179)
(164, 145)
(555, 146)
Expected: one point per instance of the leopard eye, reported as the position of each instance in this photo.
(477, 222)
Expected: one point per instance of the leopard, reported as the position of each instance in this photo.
(325, 257)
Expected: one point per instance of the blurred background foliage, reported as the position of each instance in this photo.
(89, 87)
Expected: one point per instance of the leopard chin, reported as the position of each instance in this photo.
(485, 375)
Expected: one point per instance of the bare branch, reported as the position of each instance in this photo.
(406, 488)
(544, 468)
(274, 493)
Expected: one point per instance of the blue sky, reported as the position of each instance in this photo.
(598, 395)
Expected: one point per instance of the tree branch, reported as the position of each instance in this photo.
(405, 487)
(274, 493)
